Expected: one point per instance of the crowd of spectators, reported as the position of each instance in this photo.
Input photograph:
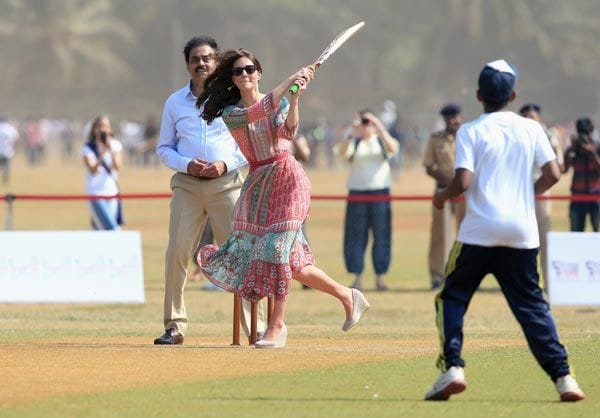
(139, 137)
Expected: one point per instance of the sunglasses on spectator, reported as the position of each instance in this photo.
(250, 69)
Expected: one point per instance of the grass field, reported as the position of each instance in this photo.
(98, 360)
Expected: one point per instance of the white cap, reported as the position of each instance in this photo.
(502, 66)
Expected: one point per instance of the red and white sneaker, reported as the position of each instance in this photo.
(451, 382)
(568, 389)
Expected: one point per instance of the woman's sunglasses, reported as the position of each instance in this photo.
(250, 69)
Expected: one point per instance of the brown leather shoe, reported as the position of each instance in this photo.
(170, 337)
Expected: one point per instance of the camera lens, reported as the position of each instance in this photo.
(364, 121)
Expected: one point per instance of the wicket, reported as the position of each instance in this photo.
(237, 315)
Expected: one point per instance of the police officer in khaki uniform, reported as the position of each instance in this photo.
(439, 164)
(543, 207)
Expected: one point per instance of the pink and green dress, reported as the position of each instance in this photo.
(267, 244)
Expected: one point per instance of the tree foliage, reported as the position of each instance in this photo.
(75, 57)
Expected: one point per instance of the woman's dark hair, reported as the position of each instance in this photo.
(196, 42)
(219, 90)
(95, 123)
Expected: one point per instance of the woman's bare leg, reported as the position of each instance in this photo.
(276, 321)
(316, 278)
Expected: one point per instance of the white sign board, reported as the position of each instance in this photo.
(71, 266)
(574, 268)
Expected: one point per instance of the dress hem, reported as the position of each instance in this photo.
(218, 283)
(239, 292)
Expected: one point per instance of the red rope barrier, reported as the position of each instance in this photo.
(353, 198)
(372, 198)
(85, 197)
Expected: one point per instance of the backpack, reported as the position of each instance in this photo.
(357, 140)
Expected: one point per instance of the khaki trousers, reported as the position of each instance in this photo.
(442, 237)
(543, 210)
(195, 201)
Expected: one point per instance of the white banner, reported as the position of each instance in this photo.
(574, 268)
(71, 266)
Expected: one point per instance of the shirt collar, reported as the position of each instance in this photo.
(188, 91)
(449, 136)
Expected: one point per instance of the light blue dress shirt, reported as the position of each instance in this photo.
(184, 135)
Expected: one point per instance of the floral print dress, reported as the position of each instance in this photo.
(267, 244)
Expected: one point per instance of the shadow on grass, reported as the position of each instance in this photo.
(375, 400)
(149, 345)
(426, 290)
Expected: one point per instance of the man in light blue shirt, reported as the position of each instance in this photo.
(205, 186)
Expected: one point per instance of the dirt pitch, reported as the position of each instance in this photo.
(49, 351)
(45, 369)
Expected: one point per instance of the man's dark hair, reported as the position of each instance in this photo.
(451, 109)
(494, 107)
(530, 107)
(584, 126)
(496, 86)
(197, 41)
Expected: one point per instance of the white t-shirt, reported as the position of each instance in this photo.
(102, 183)
(8, 137)
(501, 149)
(369, 169)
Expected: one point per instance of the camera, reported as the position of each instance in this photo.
(103, 137)
(364, 121)
(583, 139)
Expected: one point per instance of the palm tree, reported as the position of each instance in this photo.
(563, 31)
(76, 39)
(559, 37)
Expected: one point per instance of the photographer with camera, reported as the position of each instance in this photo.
(368, 149)
(102, 156)
(584, 156)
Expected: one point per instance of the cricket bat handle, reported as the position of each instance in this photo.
(295, 87)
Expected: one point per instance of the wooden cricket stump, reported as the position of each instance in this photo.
(237, 316)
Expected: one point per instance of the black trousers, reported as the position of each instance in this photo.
(517, 274)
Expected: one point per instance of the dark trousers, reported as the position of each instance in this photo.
(362, 217)
(578, 212)
(5, 168)
(516, 273)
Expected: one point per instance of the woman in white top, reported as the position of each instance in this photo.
(368, 152)
(102, 159)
